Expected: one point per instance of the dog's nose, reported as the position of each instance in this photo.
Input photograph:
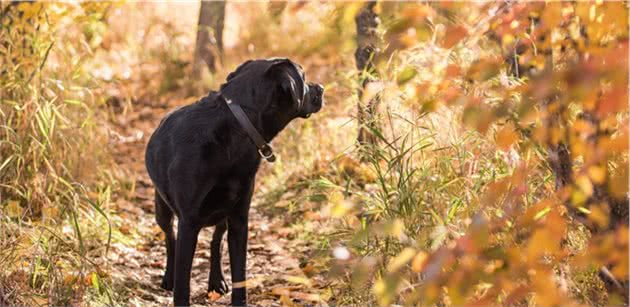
(319, 88)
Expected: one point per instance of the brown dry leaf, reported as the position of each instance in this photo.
(284, 231)
(613, 101)
(453, 35)
(309, 269)
(417, 13)
(281, 291)
(312, 216)
(306, 296)
(506, 137)
(213, 296)
(453, 71)
(124, 229)
(157, 264)
(539, 244)
(69, 279)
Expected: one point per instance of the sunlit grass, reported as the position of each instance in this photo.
(54, 192)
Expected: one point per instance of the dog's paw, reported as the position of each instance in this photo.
(218, 285)
(167, 284)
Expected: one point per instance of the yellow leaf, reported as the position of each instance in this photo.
(539, 244)
(585, 185)
(546, 291)
(506, 137)
(298, 280)
(620, 270)
(507, 40)
(578, 197)
(395, 228)
(339, 207)
(599, 215)
(399, 261)
(597, 174)
(13, 209)
(386, 289)
(419, 261)
(406, 74)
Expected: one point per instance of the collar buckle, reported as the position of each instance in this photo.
(266, 152)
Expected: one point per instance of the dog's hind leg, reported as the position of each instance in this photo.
(216, 281)
(164, 218)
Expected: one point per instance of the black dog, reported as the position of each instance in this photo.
(203, 159)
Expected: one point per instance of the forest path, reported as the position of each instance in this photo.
(139, 258)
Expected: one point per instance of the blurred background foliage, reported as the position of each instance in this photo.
(494, 171)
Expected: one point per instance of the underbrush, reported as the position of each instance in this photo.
(368, 224)
(56, 179)
(371, 220)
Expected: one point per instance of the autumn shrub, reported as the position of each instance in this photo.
(537, 200)
(54, 183)
(499, 175)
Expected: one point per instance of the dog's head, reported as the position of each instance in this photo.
(275, 87)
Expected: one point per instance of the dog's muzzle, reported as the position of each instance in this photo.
(314, 100)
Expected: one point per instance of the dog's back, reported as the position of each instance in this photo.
(181, 131)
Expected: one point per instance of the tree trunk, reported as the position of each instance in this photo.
(209, 46)
(367, 49)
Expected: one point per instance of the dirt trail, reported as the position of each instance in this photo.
(139, 263)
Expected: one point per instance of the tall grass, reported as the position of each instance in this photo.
(421, 187)
(53, 189)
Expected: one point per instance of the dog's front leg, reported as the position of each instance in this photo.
(186, 243)
(216, 281)
(237, 244)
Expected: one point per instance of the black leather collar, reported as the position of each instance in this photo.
(264, 149)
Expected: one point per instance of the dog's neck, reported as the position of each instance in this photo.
(267, 124)
(271, 125)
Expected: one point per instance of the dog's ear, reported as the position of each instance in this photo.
(235, 73)
(289, 79)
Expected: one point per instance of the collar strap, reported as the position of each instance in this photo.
(264, 149)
